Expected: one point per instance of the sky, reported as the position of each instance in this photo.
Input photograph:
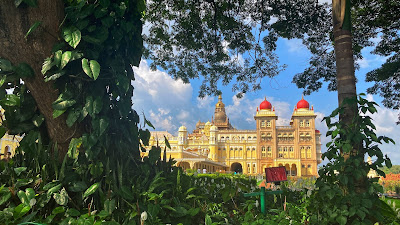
(170, 103)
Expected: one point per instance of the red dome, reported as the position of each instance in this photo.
(317, 131)
(265, 105)
(303, 104)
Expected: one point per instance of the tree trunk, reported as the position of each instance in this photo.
(345, 74)
(345, 77)
(14, 23)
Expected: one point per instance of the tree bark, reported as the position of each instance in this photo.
(14, 23)
(345, 76)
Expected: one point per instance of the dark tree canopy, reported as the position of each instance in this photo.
(226, 41)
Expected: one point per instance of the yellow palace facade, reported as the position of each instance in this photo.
(217, 146)
(8, 143)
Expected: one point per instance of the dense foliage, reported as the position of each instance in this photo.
(348, 196)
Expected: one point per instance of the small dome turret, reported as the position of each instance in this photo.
(182, 128)
(303, 104)
(265, 105)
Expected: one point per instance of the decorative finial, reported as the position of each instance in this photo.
(302, 96)
(273, 108)
(312, 107)
(257, 108)
(265, 98)
(219, 97)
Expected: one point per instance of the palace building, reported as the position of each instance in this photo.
(218, 146)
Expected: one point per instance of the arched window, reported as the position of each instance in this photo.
(303, 152)
(269, 152)
(291, 152)
(263, 123)
(268, 123)
(301, 123)
(309, 152)
(307, 123)
(263, 152)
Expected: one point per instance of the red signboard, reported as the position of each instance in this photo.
(275, 174)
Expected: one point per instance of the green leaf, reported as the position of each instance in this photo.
(61, 198)
(57, 113)
(74, 145)
(97, 105)
(109, 205)
(10, 100)
(47, 64)
(73, 117)
(65, 58)
(6, 65)
(54, 76)
(23, 198)
(32, 28)
(3, 131)
(21, 210)
(5, 198)
(24, 70)
(58, 210)
(19, 170)
(341, 220)
(72, 36)
(103, 124)
(73, 212)
(78, 186)
(54, 189)
(2, 80)
(38, 120)
(167, 142)
(208, 220)
(95, 67)
(86, 68)
(63, 105)
(30, 193)
(92, 189)
(126, 193)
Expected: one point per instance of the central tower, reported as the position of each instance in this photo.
(220, 118)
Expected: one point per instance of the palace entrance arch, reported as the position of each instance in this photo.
(237, 167)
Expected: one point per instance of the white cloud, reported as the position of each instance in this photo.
(385, 123)
(294, 45)
(241, 112)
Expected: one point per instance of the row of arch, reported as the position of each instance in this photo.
(227, 138)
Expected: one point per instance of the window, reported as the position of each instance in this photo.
(269, 154)
(303, 152)
(253, 149)
(307, 123)
(254, 168)
(291, 152)
(248, 149)
(309, 152)
(285, 152)
(263, 123)
(268, 123)
(254, 138)
(248, 168)
(263, 152)
(301, 123)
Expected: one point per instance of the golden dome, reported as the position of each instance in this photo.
(182, 128)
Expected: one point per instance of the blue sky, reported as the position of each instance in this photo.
(170, 103)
